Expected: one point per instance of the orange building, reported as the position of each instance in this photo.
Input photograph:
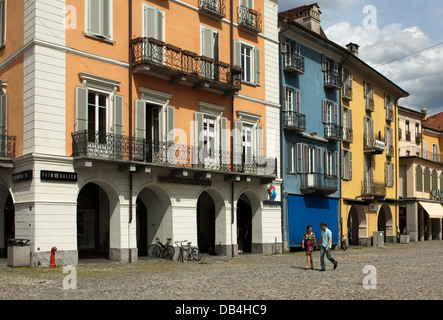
(124, 121)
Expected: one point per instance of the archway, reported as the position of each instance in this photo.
(385, 221)
(356, 225)
(206, 223)
(7, 219)
(244, 224)
(153, 217)
(93, 222)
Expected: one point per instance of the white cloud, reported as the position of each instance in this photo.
(420, 74)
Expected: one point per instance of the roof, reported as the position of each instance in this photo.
(292, 14)
(434, 122)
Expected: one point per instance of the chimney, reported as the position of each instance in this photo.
(353, 47)
(425, 112)
(310, 17)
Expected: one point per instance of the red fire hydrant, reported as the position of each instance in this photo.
(53, 250)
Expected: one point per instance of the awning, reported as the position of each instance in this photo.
(435, 210)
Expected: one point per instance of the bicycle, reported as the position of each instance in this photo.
(191, 252)
(160, 250)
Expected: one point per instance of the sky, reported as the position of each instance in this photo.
(403, 40)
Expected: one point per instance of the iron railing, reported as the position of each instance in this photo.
(7, 147)
(320, 181)
(373, 143)
(332, 79)
(249, 18)
(214, 7)
(373, 188)
(333, 131)
(114, 147)
(419, 152)
(294, 62)
(294, 120)
(174, 61)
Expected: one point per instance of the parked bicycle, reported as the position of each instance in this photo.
(160, 250)
(187, 252)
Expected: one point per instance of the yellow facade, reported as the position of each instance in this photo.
(370, 204)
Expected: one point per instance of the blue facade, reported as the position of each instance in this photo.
(310, 137)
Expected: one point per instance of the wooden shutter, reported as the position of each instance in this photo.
(260, 147)
(297, 48)
(3, 114)
(140, 119)
(238, 142)
(336, 115)
(387, 174)
(237, 53)
(257, 66)
(118, 115)
(283, 98)
(106, 19)
(319, 162)
(323, 63)
(2, 22)
(299, 158)
(297, 101)
(199, 142)
(350, 165)
(224, 140)
(290, 150)
(94, 16)
(170, 124)
(337, 163)
(150, 22)
(391, 171)
(81, 108)
(324, 111)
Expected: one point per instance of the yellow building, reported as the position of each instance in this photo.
(369, 195)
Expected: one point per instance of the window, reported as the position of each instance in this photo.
(97, 115)
(389, 174)
(435, 156)
(209, 49)
(369, 95)
(99, 18)
(248, 57)
(248, 140)
(153, 22)
(347, 123)
(346, 164)
(419, 178)
(209, 135)
(292, 166)
(407, 131)
(2, 22)
(389, 141)
(427, 180)
(434, 179)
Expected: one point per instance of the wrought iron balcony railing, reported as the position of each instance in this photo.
(332, 79)
(373, 188)
(113, 147)
(347, 93)
(7, 147)
(318, 183)
(373, 144)
(294, 63)
(249, 19)
(420, 153)
(154, 56)
(333, 131)
(294, 121)
(215, 8)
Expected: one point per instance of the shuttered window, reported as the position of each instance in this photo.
(419, 178)
(248, 58)
(99, 18)
(389, 174)
(153, 22)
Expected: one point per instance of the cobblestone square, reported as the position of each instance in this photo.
(407, 271)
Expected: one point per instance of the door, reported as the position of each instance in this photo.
(311, 166)
(97, 115)
(247, 145)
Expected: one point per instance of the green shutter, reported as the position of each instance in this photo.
(81, 109)
(238, 142)
(140, 119)
(257, 66)
(237, 53)
(118, 115)
(170, 122)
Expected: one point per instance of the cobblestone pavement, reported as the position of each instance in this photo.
(412, 271)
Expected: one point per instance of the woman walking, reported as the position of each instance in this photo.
(308, 245)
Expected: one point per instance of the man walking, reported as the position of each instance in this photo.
(325, 242)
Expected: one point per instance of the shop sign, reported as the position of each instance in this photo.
(58, 176)
(22, 176)
(436, 194)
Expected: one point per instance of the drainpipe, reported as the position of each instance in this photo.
(231, 29)
(130, 126)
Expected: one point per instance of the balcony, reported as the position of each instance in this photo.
(154, 57)
(373, 190)
(318, 183)
(121, 149)
(294, 121)
(249, 19)
(373, 144)
(7, 151)
(370, 105)
(294, 63)
(332, 80)
(420, 153)
(214, 8)
(348, 135)
(347, 93)
(333, 131)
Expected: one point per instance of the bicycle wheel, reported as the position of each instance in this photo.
(154, 251)
(196, 254)
(169, 252)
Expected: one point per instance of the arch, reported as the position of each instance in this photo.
(427, 180)
(7, 217)
(441, 181)
(357, 224)
(211, 220)
(249, 221)
(385, 221)
(153, 216)
(419, 178)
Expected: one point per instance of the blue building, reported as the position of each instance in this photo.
(311, 128)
